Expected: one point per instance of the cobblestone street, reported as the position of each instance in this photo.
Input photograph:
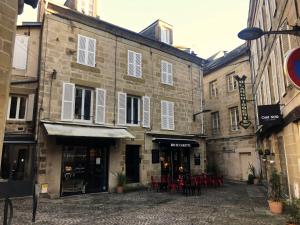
(232, 204)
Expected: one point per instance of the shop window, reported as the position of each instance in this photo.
(155, 156)
(83, 104)
(17, 107)
(133, 110)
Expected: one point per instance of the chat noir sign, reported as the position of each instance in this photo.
(245, 123)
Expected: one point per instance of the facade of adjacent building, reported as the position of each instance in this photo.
(229, 146)
(272, 88)
(8, 18)
(112, 100)
(18, 156)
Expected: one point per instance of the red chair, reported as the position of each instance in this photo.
(154, 183)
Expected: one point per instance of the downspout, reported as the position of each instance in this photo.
(115, 87)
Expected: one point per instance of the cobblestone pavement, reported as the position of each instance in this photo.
(233, 204)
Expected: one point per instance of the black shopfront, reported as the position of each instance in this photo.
(84, 165)
(174, 156)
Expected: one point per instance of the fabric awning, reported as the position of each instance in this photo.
(86, 131)
(176, 143)
(19, 139)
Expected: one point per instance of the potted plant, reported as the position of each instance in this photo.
(121, 181)
(253, 173)
(275, 193)
(292, 207)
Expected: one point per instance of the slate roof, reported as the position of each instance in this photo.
(228, 58)
(73, 15)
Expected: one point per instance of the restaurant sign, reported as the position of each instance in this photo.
(181, 145)
(269, 115)
(245, 123)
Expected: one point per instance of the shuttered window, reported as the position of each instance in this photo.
(146, 111)
(20, 52)
(134, 64)
(100, 106)
(234, 118)
(166, 72)
(68, 101)
(167, 115)
(122, 99)
(86, 50)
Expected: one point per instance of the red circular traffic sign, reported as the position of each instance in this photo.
(292, 66)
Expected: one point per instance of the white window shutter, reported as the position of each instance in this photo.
(122, 102)
(164, 71)
(100, 106)
(68, 101)
(274, 76)
(81, 49)
(91, 52)
(146, 111)
(171, 115)
(138, 65)
(170, 74)
(164, 115)
(131, 63)
(20, 52)
(30, 107)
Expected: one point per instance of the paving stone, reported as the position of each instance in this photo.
(229, 205)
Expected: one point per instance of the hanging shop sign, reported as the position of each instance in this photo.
(292, 66)
(245, 123)
(269, 115)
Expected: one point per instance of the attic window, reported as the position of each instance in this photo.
(165, 35)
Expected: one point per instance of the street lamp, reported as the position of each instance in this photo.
(253, 33)
(203, 111)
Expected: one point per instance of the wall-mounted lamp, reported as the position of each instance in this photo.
(253, 33)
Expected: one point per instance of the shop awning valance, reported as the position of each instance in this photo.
(176, 143)
(19, 139)
(86, 131)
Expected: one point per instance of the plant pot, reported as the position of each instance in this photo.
(255, 181)
(275, 207)
(120, 189)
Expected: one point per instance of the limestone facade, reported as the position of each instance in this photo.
(61, 30)
(230, 146)
(271, 85)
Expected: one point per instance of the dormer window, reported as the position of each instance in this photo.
(165, 35)
(86, 7)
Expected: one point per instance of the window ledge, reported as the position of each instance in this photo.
(85, 67)
(135, 79)
(169, 86)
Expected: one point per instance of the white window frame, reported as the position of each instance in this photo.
(86, 9)
(234, 116)
(87, 39)
(165, 35)
(139, 110)
(213, 88)
(231, 82)
(168, 74)
(17, 107)
(82, 106)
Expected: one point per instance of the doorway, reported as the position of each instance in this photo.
(132, 162)
(245, 160)
(84, 170)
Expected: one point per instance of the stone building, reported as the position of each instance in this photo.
(112, 100)
(9, 9)
(18, 154)
(273, 89)
(230, 146)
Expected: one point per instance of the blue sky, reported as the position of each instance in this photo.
(206, 26)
